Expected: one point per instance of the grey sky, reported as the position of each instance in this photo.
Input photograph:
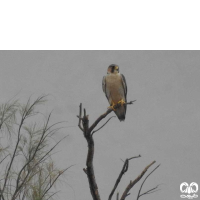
(162, 125)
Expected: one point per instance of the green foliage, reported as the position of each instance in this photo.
(8, 115)
(27, 169)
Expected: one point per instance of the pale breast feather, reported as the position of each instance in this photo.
(114, 88)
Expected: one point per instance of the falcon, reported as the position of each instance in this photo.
(115, 89)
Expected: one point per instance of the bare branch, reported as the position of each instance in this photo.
(150, 191)
(90, 169)
(80, 116)
(132, 183)
(103, 125)
(89, 163)
(139, 195)
(88, 134)
(105, 114)
(134, 157)
(117, 197)
(123, 171)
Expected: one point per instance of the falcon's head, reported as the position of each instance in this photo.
(113, 69)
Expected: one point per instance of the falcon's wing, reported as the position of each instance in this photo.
(124, 86)
(104, 87)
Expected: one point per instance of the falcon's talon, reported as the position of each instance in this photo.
(112, 107)
(122, 102)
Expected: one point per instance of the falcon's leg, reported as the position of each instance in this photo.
(112, 106)
(122, 102)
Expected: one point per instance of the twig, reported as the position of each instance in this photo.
(117, 197)
(123, 171)
(80, 115)
(53, 194)
(132, 183)
(4, 158)
(103, 125)
(50, 186)
(134, 157)
(150, 191)
(13, 156)
(147, 192)
(85, 170)
(20, 185)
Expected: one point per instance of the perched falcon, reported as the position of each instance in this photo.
(115, 89)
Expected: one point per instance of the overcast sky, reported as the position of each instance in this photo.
(162, 125)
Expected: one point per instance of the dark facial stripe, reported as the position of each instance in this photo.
(113, 69)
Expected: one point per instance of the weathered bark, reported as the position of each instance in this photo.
(89, 162)
(88, 132)
(90, 170)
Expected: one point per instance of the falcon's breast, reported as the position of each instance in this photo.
(114, 88)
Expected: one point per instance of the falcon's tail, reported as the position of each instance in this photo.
(121, 112)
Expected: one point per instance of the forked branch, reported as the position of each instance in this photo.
(123, 171)
(151, 190)
(132, 183)
(88, 132)
(89, 163)
(102, 125)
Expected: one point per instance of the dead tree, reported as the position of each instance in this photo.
(88, 132)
